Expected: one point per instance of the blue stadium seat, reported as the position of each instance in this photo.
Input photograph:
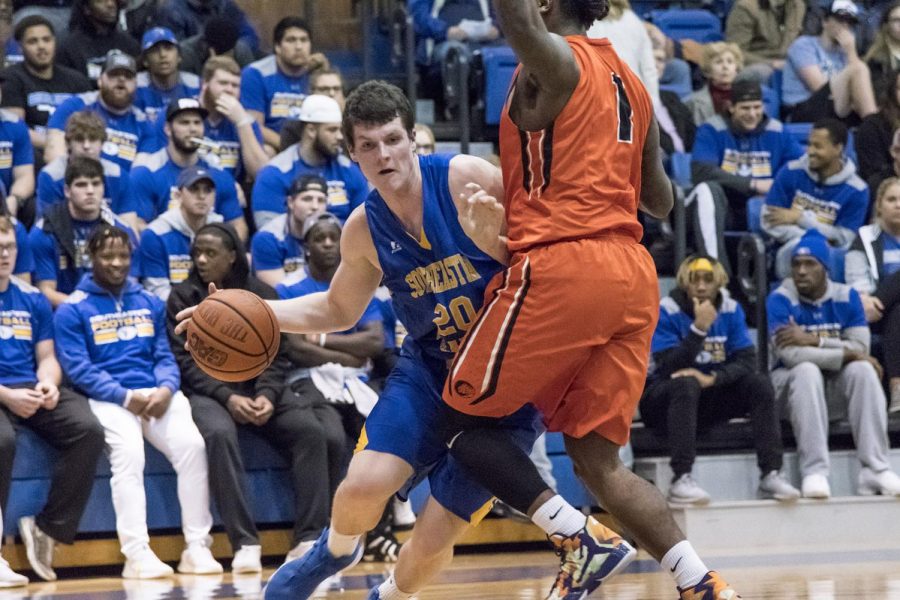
(499, 65)
(771, 102)
(681, 169)
(754, 214)
(694, 24)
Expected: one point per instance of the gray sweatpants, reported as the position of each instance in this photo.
(810, 399)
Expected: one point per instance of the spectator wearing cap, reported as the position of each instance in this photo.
(277, 249)
(93, 32)
(237, 142)
(261, 407)
(273, 88)
(763, 30)
(85, 135)
(162, 82)
(820, 190)
(704, 373)
(737, 155)
(187, 18)
(128, 131)
(59, 238)
(165, 251)
(219, 38)
(17, 167)
(824, 75)
(873, 269)
(34, 88)
(330, 371)
(318, 151)
(150, 183)
(823, 371)
(325, 82)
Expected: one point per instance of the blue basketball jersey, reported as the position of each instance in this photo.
(437, 282)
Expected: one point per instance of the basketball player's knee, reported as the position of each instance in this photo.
(363, 488)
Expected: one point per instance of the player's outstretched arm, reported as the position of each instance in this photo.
(656, 189)
(546, 58)
(350, 292)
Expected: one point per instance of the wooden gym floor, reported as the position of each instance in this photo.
(527, 575)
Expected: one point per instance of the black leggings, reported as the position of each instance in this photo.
(889, 326)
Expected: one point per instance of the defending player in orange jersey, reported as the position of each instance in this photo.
(567, 327)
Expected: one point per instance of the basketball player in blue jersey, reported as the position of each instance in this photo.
(407, 233)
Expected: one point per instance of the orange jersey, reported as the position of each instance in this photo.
(581, 175)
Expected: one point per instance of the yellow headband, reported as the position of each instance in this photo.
(700, 264)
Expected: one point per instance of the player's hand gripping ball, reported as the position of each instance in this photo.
(233, 335)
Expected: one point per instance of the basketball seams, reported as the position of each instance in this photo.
(218, 340)
(249, 323)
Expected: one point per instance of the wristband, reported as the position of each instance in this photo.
(322, 337)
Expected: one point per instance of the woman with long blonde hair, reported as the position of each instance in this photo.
(883, 56)
(872, 267)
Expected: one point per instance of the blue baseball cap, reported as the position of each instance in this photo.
(157, 35)
(815, 245)
(192, 175)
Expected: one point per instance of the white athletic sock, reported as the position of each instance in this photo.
(558, 516)
(389, 591)
(342, 545)
(682, 563)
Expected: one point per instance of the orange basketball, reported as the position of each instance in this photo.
(233, 335)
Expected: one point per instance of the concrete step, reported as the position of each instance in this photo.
(735, 477)
(763, 527)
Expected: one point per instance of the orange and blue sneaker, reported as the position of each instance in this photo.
(587, 559)
(711, 587)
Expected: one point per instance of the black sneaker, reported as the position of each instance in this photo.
(381, 546)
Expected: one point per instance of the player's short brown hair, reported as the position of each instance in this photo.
(376, 103)
(85, 125)
(220, 63)
(83, 166)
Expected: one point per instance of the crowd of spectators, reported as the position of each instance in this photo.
(149, 149)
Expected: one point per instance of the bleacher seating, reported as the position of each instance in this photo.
(695, 24)
(499, 65)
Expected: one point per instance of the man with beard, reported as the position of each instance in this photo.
(318, 151)
(273, 88)
(127, 127)
(150, 184)
(162, 82)
(820, 190)
(34, 88)
(237, 146)
(93, 32)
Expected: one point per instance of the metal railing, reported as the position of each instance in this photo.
(755, 285)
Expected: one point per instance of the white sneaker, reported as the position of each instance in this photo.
(198, 560)
(816, 486)
(894, 406)
(335, 583)
(9, 578)
(685, 490)
(404, 517)
(38, 547)
(886, 483)
(145, 565)
(775, 485)
(299, 550)
(248, 559)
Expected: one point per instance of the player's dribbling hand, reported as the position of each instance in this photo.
(184, 316)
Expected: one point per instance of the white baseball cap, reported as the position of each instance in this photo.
(320, 109)
(844, 9)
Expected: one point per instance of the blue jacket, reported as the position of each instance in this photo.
(108, 345)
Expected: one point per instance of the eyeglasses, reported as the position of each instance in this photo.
(7, 248)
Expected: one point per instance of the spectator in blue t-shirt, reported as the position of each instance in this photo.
(704, 373)
(85, 134)
(165, 251)
(820, 190)
(128, 130)
(277, 249)
(823, 371)
(273, 88)
(236, 138)
(17, 166)
(59, 238)
(318, 151)
(162, 82)
(30, 396)
(150, 183)
(733, 159)
(825, 76)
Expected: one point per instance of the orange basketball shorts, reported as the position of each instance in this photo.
(567, 328)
